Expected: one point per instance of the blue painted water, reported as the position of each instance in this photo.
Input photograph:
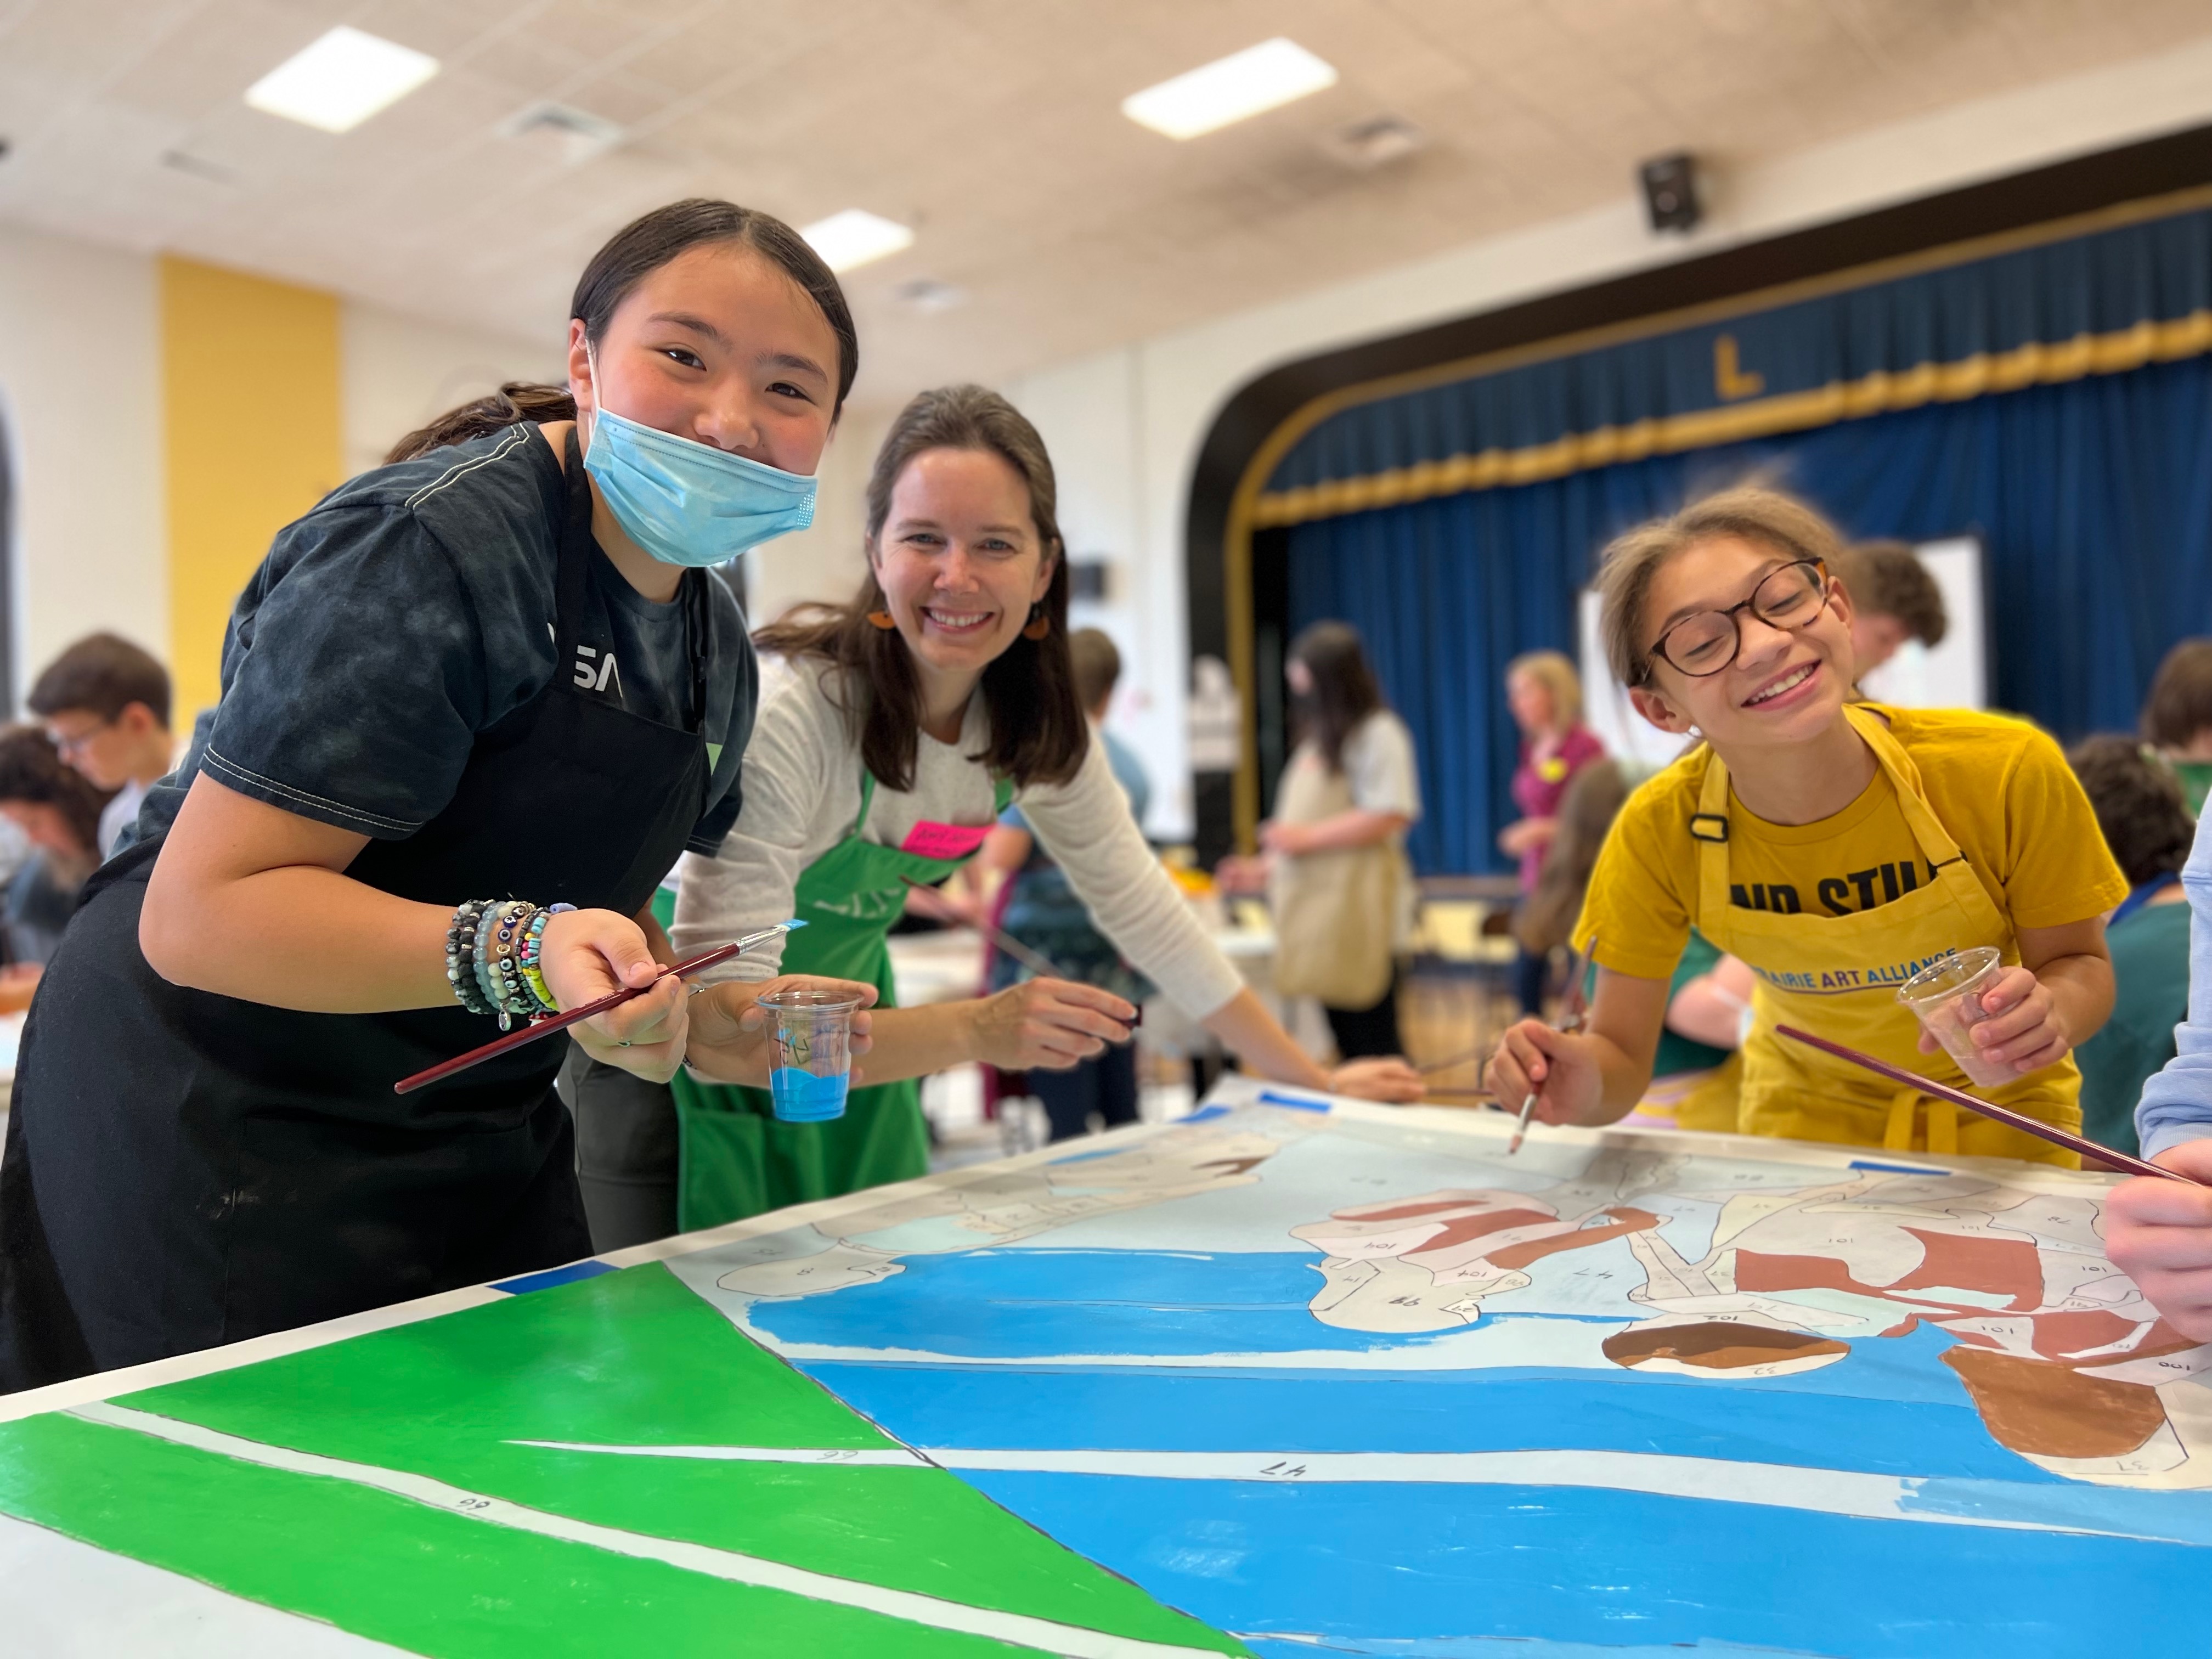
(1414, 1566)
(1458, 1571)
(801, 1097)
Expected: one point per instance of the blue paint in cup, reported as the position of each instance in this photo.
(802, 1096)
(813, 1069)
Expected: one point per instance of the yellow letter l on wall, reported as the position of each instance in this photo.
(251, 400)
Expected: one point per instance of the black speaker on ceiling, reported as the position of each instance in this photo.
(1670, 191)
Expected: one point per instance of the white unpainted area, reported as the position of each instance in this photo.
(1014, 1629)
(80, 419)
(1153, 401)
(1725, 1480)
(68, 1600)
(397, 372)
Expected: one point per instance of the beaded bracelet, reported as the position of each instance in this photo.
(495, 953)
(533, 960)
(461, 947)
(533, 956)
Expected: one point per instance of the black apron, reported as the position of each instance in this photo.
(184, 1169)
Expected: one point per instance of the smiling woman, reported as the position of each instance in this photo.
(1834, 846)
(939, 694)
(489, 669)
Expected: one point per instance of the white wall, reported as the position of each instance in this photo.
(397, 372)
(80, 403)
(1128, 423)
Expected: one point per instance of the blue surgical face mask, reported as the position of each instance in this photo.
(690, 503)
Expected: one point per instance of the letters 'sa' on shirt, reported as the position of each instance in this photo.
(2000, 786)
(412, 610)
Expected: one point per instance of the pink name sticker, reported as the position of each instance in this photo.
(944, 840)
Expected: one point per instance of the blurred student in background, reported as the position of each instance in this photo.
(1545, 698)
(1694, 1070)
(2177, 718)
(2139, 807)
(59, 812)
(1893, 599)
(1339, 885)
(1041, 909)
(106, 704)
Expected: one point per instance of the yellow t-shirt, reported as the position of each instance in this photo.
(1999, 785)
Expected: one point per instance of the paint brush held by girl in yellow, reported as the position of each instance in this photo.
(1836, 846)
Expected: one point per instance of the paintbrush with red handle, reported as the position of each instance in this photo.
(2021, 1121)
(547, 1024)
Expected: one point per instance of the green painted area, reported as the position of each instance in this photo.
(634, 1358)
(406, 1574)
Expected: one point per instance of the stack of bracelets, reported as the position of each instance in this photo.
(492, 958)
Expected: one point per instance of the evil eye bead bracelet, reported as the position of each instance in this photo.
(493, 953)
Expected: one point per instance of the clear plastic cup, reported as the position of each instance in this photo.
(1939, 996)
(813, 1072)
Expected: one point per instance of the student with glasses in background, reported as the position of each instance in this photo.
(106, 704)
(1835, 846)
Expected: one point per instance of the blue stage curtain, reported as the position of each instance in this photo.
(2103, 302)
(2092, 497)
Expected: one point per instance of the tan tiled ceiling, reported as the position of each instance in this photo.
(993, 126)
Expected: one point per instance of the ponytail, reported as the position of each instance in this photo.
(517, 400)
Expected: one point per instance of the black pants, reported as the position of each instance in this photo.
(1363, 1033)
(626, 1151)
(1532, 976)
(1106, 1085)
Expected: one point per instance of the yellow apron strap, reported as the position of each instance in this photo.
(1709, 828)
(1943, 1123)
(1897, 1133)
(1943, 1127)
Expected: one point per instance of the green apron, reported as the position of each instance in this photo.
(736, 1159)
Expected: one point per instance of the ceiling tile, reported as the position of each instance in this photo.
(993, 126)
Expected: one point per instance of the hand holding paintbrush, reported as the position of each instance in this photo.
(1530, 1053)
(549, 1025)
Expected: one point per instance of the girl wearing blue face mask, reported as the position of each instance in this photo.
(474, 706)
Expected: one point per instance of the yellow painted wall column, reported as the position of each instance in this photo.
(251, 399)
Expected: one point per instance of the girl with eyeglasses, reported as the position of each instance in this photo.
(1835, 846)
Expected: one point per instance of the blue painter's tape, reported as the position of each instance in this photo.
(1897, 1169)
(570, 1274)
(1205, 1115)
(1296, 1102)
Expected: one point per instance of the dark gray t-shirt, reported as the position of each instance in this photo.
(414, 608)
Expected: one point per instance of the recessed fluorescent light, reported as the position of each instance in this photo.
(1262, 77)
(854, 237)
(341, 80)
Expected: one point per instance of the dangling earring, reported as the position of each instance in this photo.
(883, 619)
(1038, 625)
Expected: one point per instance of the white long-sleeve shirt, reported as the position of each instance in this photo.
(802, 791)
(2177, 1102)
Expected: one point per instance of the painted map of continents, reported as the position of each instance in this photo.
(1274, 1380)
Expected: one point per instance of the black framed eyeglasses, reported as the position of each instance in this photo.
(1707, 641)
